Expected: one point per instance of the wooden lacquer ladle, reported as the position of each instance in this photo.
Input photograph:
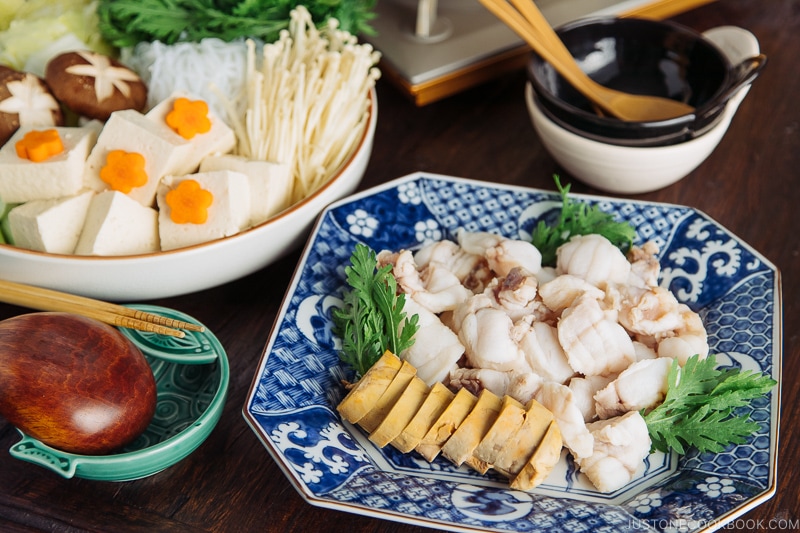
(528, 22)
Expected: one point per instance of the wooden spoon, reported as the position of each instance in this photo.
(529, 23)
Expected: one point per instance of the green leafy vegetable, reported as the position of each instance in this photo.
(578, 218)
(5, 225)
(370, 319)
(128, 22)
(698, 410)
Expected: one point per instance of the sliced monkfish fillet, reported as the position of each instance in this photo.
(443, 290)
(470, 307)
(688, 340)
(487, 336)
(509, 254)
(436, 349)
(620, 446)
(478, 379)
(502, 253)
(594, 343)
(683, 347)
(436, 288)
(437, 369)
(654, 313)
(642, 385)
(477, 242)
(564, 290)
(593, 258)
(404, 269)
(471, 269)
(523, 387)
(561, 402)
(583, 391)
(645, 266)
(515, 294)
(643, 351)
(544, 353)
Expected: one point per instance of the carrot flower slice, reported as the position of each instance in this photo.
(189, 203)
(124, 171)
(189, 117)
(39, 145)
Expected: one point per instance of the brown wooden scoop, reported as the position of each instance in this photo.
(529, 23)
(74, 383)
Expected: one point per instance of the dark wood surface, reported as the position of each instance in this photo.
(750, 184)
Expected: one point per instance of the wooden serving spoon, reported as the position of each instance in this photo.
(529, 23)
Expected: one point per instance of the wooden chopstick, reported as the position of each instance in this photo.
(116, 315)
(525, 18)
(522, 17)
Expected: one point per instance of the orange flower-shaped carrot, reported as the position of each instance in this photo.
(39, 145)
(124, 171)
(189, 117)
(189, 203)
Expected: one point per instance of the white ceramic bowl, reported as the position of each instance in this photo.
(185, 270)
(636, 170)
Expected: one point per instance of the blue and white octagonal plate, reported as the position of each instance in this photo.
(291, 405)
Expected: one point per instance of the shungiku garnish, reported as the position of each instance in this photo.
(371, 319)
(699, 409)
(579, 218)
(127, 22)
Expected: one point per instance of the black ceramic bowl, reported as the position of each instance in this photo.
(638, 56)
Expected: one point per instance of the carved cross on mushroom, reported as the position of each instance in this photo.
(25, 100)
(94, 85)
(106, 76)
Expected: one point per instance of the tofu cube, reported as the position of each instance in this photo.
(270, 183)
(118, 225)
(51, 226)
(130, 131)
(228, 213)
(22, 180)
(219, 140)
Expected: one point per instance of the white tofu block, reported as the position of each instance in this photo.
(51, 226)
(219, 140)
(270, 183)
(130, 131)
(118, 225)
(228, 214)
(22, 180)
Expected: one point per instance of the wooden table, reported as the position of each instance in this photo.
(749, 184)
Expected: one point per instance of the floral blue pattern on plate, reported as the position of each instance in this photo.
(291, 405)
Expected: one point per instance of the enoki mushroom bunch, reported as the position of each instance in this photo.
(307, 100)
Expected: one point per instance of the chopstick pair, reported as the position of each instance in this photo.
(113, 314)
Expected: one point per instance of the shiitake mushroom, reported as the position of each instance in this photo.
(74, 383)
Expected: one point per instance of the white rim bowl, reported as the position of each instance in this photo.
(636, 170)
(194, 268)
